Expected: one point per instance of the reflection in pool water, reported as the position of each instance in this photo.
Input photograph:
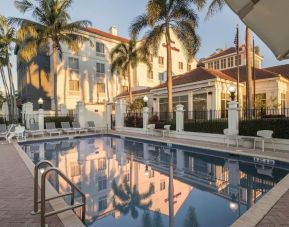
(129, 182)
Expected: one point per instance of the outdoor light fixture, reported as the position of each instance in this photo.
(146, 99)
(233, 206)
(232, 91)
(40, 103)
(41, 170)
(146, 170)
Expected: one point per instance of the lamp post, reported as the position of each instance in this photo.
(40, 103)
(145, 99)
(232, 91)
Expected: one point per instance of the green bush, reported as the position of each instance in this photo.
(216, 127)
(280, 127)
(133, 121)
(58, 120)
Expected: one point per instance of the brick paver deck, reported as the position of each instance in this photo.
(16, 192)
(278, 215)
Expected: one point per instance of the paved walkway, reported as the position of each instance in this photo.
(16, 192)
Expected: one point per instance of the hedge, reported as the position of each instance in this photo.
(133, 121)
(58, 120)
(213, 126)
(280, 127)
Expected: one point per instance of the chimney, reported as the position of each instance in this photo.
(113, 30)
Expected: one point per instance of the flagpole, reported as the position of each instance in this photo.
(238, 67)
(254, 73)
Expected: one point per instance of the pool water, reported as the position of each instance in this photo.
(132, 182)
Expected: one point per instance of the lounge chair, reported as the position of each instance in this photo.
(66, 128)
(233, 135)
(19, 133)
(165, 130)
(150, 129)
(264, 135)
(77, 127)
(3, 129)
(92, 127)
(51, 129)
(5, 134)
(34, 130)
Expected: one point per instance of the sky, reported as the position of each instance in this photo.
(217, 32)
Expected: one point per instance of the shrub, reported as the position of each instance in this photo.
(206, 126)
(133, 121)
(58, 120)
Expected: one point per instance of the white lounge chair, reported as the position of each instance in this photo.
(51, 128)
(231, 135)
(65, 126)
(264, 135)
(19, 133)
(3, 129)
(4, 135)
(150, 129)
(92, 127)
(34, 130)
(77, 127)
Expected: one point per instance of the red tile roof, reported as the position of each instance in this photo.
(106, 34)
(225, 52)
(136, 92)
(280, 69)
(260, 73)
(196, 75)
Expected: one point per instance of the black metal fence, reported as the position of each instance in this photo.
(163, 118)
(133, 119)
(264, 113)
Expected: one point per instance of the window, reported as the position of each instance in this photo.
(216, 65)
(124, 88)
(225, 98)
(161, 60)
(231, 62)
(210, 65)
(261, 101)
(181, 66)
(100, 68)
(150, 75)
(162, 185)
(189, 67)
(74, 169)
(176, 100)
(102, 203)
(200, 106)
(102, 183)
(102, 164)
(283, 102)
(100, 87)
(161, 77)
(236, 60)
(223, 63)
(73, 64)
(74, 85)
(99, 48)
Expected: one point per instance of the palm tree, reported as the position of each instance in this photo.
(51, 26)
(126, 56)
(7, 37)
(164, 17)
(216, 6)
(128, 200)
(191, 218)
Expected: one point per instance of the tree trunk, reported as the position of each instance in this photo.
(249, 82)
(55, 80)
(169, 71)
(171, 191)
(12, 89)
(7, 92)
(129, 84)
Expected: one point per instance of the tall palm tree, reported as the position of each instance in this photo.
(216, 6)
(128, 199)
(164, 17)
(126, 56)
(51, 26)
(7, 37)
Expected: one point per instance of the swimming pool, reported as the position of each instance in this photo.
(133, 182)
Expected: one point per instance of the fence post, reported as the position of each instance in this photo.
(63, 110)
(41, 119)
(80, 114)
(180, 118)
(233, 117)
(145, 117)
(27, 111)
(119, 114)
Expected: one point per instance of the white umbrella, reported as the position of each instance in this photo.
(269, 19)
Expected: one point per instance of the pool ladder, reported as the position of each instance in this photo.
(43, 198)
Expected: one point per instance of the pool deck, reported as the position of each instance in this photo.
(16, 189)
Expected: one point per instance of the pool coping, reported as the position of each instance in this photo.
(68, 218)
(250, 218)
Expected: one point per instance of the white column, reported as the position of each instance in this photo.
(180, 160)
(41, 119)
(145, 117)
(63, 110)
(180, 118)
(233, 117)
(146, 152)
(80, 114)
(119, 114)
(28, 112)
(108, 115)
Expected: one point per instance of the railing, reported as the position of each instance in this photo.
(133, 119)
(43, 199)
(264, 113)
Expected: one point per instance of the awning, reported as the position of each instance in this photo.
(268, 19)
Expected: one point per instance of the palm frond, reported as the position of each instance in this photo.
(214, 7)
(24, 5)
(153, 37)
(138, 24)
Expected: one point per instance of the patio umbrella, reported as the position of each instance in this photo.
(268, 19)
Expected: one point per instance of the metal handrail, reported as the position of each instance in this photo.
(43, 198)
